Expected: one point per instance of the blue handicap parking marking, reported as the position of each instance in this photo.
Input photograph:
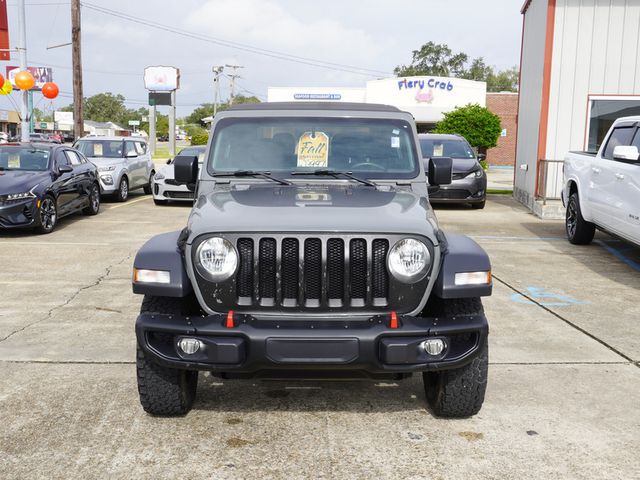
(546, 298)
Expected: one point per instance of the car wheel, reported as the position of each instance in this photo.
(159, 201)
(479, 205)
(48, 213)
(459, 392)
(148, 188)
(94, 201)
(123, 190)
(579, 231)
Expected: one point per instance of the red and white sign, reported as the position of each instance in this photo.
(41, 75)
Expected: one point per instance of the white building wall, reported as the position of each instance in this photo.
(529, 103)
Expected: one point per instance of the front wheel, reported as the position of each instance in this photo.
(579, 231)
(48, 213)
(94, 201)
(122, 193)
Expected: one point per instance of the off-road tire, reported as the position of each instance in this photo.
(459, 393)
(579, 231)
(94, 201)
(479, 205)
(148, 188)
(121, 194)
(164, 391)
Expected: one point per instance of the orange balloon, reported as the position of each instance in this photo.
(24, 80)
(50, 90)
(1, 79)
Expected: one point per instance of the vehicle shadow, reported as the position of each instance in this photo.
(237, 396)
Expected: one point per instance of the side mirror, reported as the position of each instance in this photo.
(481, 156)
(439, 171)
(626, 152)
(65, 169)
(186, 170)
(169, 162)
(131, 154)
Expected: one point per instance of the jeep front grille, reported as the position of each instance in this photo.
(313, 272)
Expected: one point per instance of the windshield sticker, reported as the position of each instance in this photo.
(438, 149)
(97, 149)
(396, 131)
(395, 142)
(14, 161)
(313, 150)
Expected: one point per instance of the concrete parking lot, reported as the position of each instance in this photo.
(562, 400)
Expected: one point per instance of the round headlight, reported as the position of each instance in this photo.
(409, 260)
(217, 259)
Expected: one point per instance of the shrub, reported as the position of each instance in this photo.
(477, 124)
(199, 137)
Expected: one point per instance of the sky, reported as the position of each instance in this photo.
(356, 41)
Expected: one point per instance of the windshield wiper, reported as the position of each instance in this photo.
(336, 174)
(252, 173)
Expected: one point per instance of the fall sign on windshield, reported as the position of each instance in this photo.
(313, 150)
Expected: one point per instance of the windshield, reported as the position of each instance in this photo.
(193, 151)
(453, 148)
(369, 148)
(23, 158)
(100, 148)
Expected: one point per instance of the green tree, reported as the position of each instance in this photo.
(440, 60)
(477, 124)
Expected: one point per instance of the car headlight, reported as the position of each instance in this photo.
(409, 260)
(216, 259)
(159, 176)
(20, 196)
(475, 174)
(110, 168)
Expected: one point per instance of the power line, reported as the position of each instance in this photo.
(240, 46)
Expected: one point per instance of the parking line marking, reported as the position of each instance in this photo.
(130, 202)
(619, 255)
(96, 244)
(496, 237)
(120, 222)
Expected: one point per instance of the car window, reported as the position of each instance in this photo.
(193, 151)
(130, 148)
(73, 157)
(100, 148)
(636, 139)
(23, 158)
(61, 159)
(141, 148)
(619, 136)
(432, 147)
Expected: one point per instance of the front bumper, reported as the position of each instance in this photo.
(464, 190)
(255, 345)
(167, 191)
(20, 214)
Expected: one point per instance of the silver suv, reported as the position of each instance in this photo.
(124, 164)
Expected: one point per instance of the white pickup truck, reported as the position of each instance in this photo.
(602, 190)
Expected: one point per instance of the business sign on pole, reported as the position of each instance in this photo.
(134, 123)
(161, 79)
(63, 118)
(4, 32)
(41, 75)
(159, 98)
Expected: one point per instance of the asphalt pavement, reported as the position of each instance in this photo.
(562, 399)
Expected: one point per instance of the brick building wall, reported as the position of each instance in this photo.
(505, 105)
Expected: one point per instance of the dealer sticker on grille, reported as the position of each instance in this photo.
(313, 150)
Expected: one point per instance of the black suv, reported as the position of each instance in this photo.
(312, 250)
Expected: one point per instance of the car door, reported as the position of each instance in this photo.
(132, 160)
(81, 178)
(604, 185)
(64, 185)
(146, 164)
(629, 177)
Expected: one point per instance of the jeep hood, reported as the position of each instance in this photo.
(304, 208)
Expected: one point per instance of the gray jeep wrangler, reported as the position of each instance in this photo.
(312, 250)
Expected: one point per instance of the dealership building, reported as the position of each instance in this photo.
(580, 70)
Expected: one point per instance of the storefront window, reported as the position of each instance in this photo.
(603, 112)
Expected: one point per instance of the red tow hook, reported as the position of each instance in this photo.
(393, 323)
(230, 323)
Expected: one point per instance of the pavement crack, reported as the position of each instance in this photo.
(567, 321)
(71, 298)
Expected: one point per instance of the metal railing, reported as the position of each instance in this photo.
(550, 180)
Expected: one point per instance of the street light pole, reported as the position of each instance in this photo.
(217, 70)
(22, 52)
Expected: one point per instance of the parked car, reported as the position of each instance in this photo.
(39, 137)
(312, 249)
(165, 187)
(124, 164)
(602, 190)
(68, 137)
(42, 182)
(469, 180)
(55, 138)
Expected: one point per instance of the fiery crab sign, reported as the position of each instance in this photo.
(161, 79)
(41, 75)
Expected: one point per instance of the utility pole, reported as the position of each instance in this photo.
(22, 51)
(78, 118)
(217, 71)
(172, 125)
(233, 77)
